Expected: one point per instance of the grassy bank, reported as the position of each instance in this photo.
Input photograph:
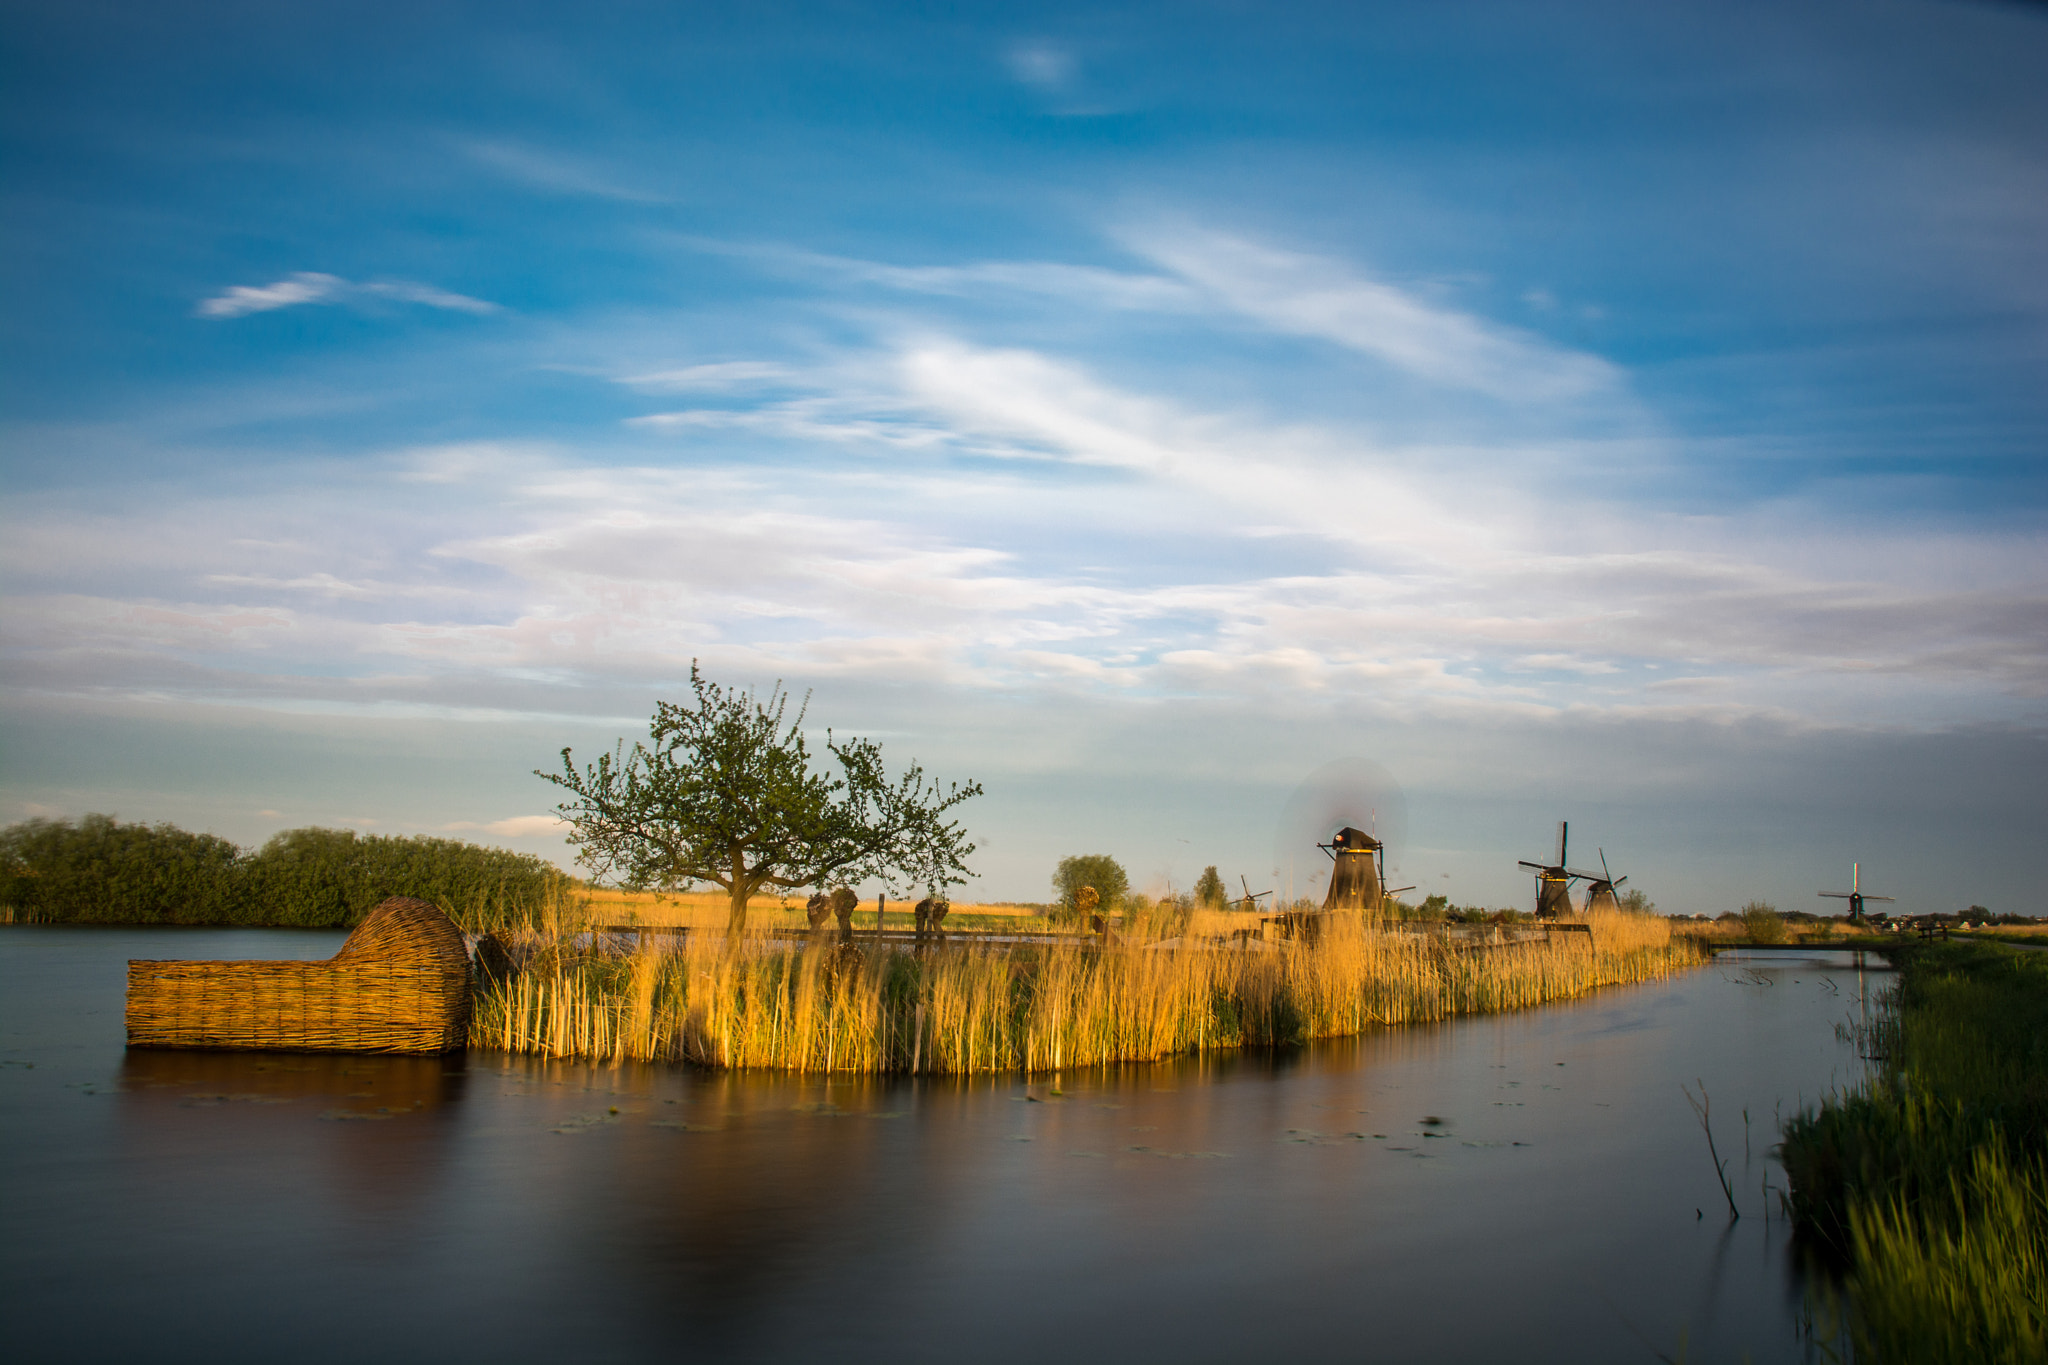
(864, 1007)
(1931, 1182)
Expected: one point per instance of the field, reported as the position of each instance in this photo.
(824, 1006)
(707, 910)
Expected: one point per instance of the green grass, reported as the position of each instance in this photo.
(1931, 1181)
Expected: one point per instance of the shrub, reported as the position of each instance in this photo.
(332, 877)
(100, 871)
(1098, 870)
(1762, 923)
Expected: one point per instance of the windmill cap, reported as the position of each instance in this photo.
(1348, 837)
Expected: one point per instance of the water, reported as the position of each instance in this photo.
(247, 1207)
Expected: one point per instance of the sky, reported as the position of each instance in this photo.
(1626, 414)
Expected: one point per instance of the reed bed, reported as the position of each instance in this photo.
(827, 1006)
(1930, 1180)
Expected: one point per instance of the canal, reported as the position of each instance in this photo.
(1531, 1187)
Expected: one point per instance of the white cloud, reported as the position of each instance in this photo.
(1093, 287)
(1315, 297)
(719, 377)
(329, 585)
(241, 300)
(428, 295)
(1042, 65)
(516, 827)
(554, 171)
(1567, 663)
(1131, 542)
(313, 287)
(1207, 271)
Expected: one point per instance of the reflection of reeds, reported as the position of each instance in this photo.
(824, 1006)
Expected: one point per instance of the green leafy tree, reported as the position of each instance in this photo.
(725, 793)
(100, 871)
(1209, 891)
(1636, 902)
(1098, 870)
(334, 877)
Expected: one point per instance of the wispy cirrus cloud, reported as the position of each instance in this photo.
(1206, 271)
(514, 827)
(243, 299)
(723, 376)
(1045, 66)
(1095, 287)
(556, 172)
(1314, 296)
(314, 287)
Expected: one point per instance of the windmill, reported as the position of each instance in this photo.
(1355, 883)
(1855, 894)
(1600, 895)
(1554, 880)
(1250, 902)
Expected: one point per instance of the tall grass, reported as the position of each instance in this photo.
(1962, 1280)
(1931, 1181)
(824, 1006)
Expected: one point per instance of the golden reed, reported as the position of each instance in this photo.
(867, 1007)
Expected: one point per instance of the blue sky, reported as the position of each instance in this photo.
(1632, 414)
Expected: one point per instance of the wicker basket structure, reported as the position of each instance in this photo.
(399, 984)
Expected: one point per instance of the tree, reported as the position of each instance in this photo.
(1098, 870)
(102, 871)
(724, 793)
(1209, 892)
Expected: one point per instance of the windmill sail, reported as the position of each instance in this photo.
(1600, 887)
(1855, 895)
(1554, 880)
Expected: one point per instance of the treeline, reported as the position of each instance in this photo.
(99, 871)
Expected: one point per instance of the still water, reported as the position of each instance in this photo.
(1528, 1187)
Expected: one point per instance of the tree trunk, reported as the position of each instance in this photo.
(742, 890)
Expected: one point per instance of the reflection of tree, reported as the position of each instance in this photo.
(761, 1233)
(372, 1128)
(718, 1228)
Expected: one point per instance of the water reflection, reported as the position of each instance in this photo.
(1519, 1187)
(379, 1145)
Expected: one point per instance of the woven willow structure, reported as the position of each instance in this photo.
(400, 984)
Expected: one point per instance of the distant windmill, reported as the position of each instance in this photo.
(1554, 880)
(1600, 895)
(1355, 882)
(1855, 894)
(1251, 897)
